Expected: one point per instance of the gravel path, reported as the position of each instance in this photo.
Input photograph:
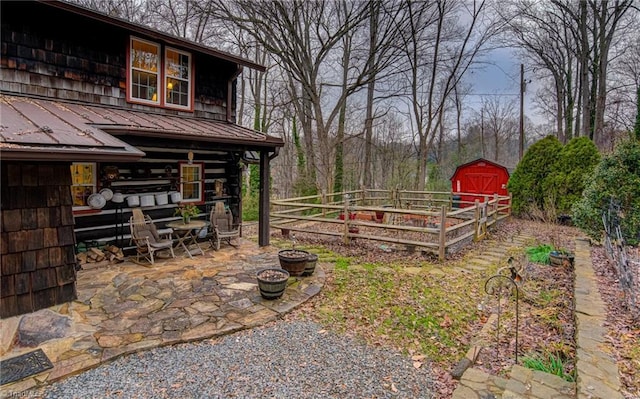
(284, 360)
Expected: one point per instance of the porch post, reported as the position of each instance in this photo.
(263, 212)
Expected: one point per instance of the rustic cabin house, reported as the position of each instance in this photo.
(98, 116)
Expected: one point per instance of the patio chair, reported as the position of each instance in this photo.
(146, 238)
(222, 226)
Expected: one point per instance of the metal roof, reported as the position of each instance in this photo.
(33, 128)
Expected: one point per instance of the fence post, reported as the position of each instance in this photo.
(345, 211)
(443, 233)
(510, 203)
(495, 208)
(363, 189)
(324, 202)
(477, 220)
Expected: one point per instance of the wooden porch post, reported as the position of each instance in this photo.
(263, 211)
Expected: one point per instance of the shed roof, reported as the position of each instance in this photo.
(34, 128)
(476, 161)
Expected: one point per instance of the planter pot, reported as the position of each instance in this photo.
(354, 230)
(175, 196)
(293, 260)
(352, 216)
(379, 215)
(147, 200)
(285, 233)
(133, 201)
(272, 282)
(560, 259)
(162, 199)
(312, 260)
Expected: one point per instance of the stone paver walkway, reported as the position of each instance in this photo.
(597, 373)
(124, 308)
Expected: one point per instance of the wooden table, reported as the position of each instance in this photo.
(187, 234)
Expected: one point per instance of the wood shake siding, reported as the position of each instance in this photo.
(38, 243)
(58, 56)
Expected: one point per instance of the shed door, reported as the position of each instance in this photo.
(481, 183)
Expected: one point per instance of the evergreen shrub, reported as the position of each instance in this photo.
(526, 184)
(617, 178)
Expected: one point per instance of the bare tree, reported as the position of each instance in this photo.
(438, 52)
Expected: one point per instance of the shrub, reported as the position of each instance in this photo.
(526, 182)
(617, 178)
(564, 185)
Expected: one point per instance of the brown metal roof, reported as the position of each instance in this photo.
(45, 130)
(50, 128)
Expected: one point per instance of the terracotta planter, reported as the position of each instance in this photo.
(272, 282)
(293, 260)
(312, 260)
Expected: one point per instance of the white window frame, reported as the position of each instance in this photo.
(200, 182)
(93, 184)
(167, 76)
(158, 73)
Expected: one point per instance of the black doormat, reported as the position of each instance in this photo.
(23, 366)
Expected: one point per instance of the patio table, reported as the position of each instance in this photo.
(187, 234)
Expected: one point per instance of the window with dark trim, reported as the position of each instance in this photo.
(159, 78)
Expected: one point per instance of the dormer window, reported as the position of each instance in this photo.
(156, 80)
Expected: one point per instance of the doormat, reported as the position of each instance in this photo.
(24, 366)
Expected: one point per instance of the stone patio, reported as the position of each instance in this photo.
(126, 307)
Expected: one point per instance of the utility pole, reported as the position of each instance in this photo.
(522, 88)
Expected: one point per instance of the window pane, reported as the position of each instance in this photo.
(177, 78)
(144, 56)
(83, 182)
(177, 65)
(191, 183)
(177, 92)
(145, 63)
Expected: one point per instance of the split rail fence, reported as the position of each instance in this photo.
(438, 222)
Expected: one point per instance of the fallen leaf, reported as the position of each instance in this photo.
(393, 387)
(418, 358)
(417, 365)
(446, 323)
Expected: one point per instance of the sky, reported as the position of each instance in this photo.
(500, 75)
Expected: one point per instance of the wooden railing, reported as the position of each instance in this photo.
(434, 221)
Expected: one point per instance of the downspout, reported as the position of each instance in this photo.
(230, 91)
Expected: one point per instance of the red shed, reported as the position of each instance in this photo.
(479, 177)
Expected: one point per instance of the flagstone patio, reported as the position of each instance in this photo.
(127, 307)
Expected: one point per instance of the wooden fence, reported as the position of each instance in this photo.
(434, 221)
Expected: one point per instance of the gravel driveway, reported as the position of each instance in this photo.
(283, 360)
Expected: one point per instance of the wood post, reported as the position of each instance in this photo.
(477, 219)
(345, 211)
(495, 208)
(443, 233)
(324, 202)
(263, 210)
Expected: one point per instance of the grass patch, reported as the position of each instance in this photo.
(418, 313)
(539, 254)
(548, 363)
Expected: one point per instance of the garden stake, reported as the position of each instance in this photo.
(497, 288)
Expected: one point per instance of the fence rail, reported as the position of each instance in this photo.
(431, 220)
